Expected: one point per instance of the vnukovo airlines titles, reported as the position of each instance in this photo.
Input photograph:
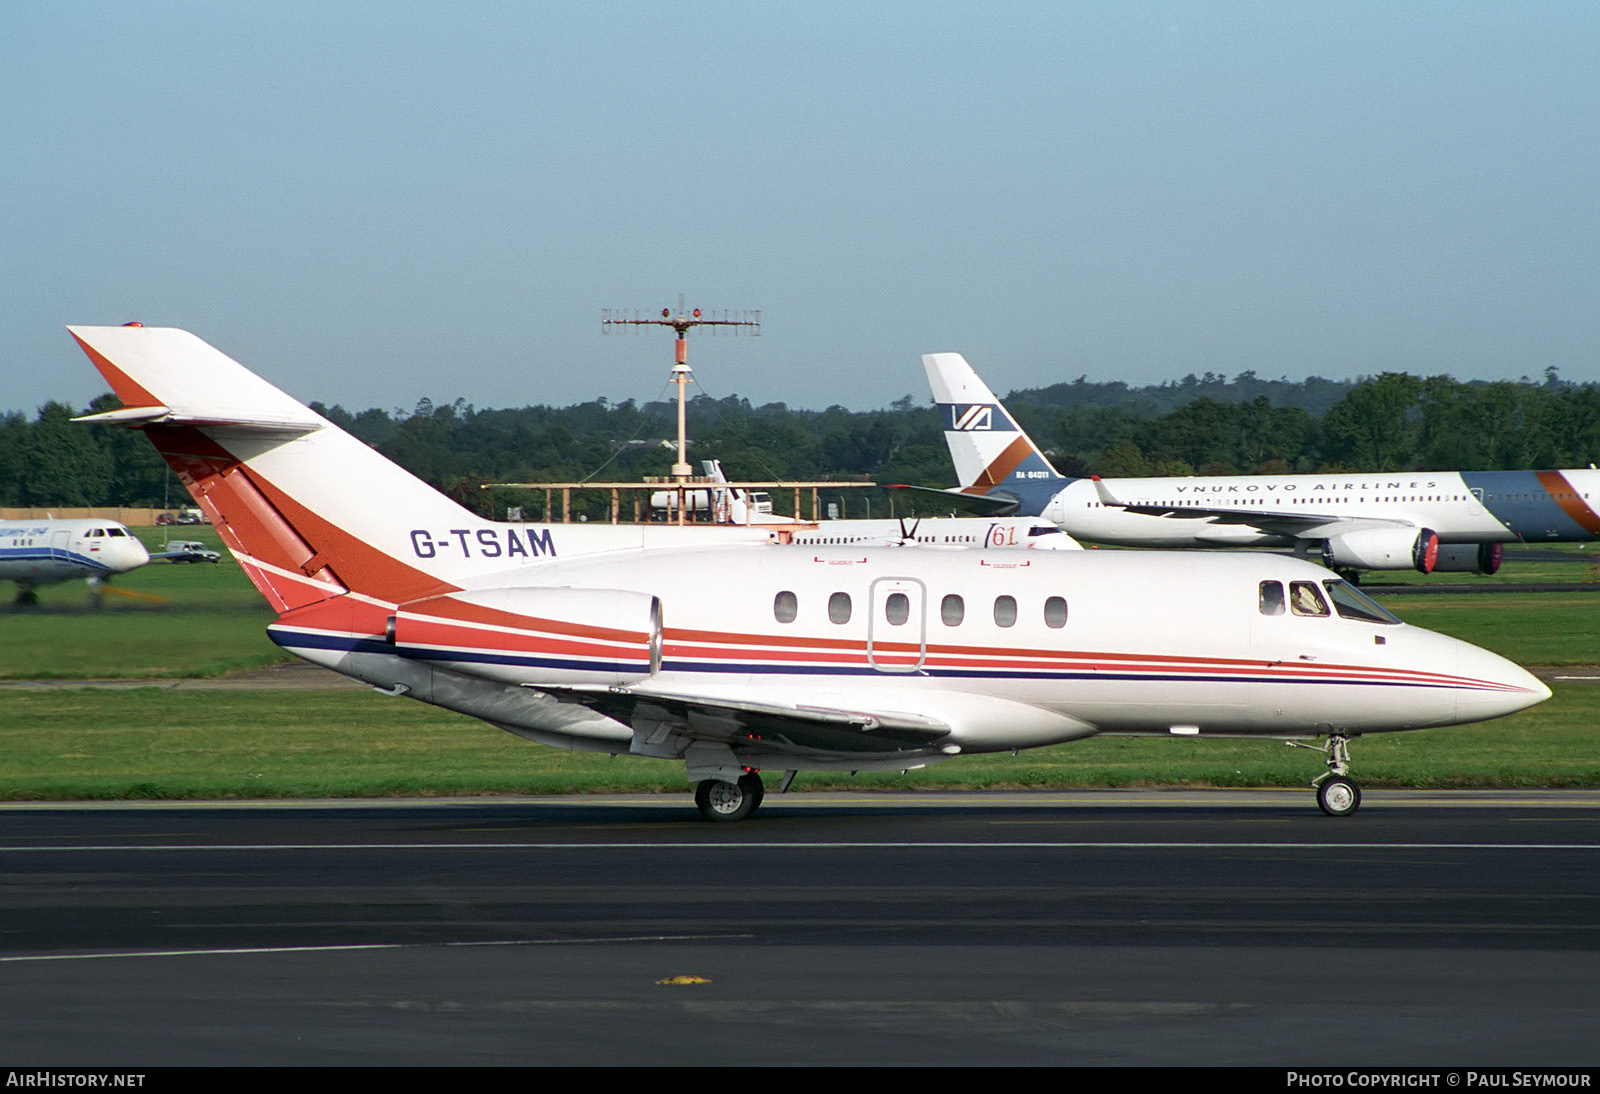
(1441, 520)
(712, 647)
(41, 552)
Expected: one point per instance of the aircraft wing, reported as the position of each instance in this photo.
(753, 726)
(1274, 522)
(1001, 503)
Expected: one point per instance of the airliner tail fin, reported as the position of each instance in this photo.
(991, 452)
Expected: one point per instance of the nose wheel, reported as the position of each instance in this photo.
(1338, 796)
(720, 800)
(1337, 793)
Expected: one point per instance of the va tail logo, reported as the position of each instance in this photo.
(968, 419)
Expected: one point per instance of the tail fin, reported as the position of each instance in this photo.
(309, 511)
(991, 453)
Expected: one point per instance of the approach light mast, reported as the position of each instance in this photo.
(748, 322)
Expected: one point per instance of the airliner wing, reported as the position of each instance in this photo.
(998, 504)
(1272, 522)
(755, 726)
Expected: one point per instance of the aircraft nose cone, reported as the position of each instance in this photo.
(134, 555)
(1507, 688)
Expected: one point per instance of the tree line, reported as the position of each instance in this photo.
(1202, 425)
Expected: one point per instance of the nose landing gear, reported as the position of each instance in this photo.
(1338, 796)
(1337, 793)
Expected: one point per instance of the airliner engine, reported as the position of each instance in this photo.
(1383, 549)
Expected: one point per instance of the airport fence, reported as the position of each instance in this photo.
(132, 516)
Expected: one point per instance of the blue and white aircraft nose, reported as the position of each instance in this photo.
(130, 555)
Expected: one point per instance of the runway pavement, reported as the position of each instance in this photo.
(1101, 927)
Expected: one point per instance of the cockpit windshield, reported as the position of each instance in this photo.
(1351, 603)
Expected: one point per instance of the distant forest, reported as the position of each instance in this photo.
(1200, 425)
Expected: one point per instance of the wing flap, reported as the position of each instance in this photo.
(751, 725)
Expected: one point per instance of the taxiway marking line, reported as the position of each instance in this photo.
(240, 950)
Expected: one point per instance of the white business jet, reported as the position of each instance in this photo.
(695, 646)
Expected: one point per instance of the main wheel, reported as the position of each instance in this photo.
(1338, 796)
(724, 801)
(755, 787)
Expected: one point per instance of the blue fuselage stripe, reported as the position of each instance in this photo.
(292, 640)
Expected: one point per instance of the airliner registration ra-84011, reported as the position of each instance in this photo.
(709, 646)
(1425, 520)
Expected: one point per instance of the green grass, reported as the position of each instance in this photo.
(151, 742)
(162, 620)
(155, 743)
(1529, 628)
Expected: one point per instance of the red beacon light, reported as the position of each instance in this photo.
(134, 324)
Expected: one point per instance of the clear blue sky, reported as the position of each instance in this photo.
(374, 202)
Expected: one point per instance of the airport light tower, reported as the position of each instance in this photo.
(748, 322)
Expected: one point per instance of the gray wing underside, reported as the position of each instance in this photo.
(754, 727)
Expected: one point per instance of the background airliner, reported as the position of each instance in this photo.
(733, 505)
(1423, 520)
(42, 552)
(713, 648)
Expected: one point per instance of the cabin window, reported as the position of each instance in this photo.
(785, 606)
(897, 609)
(1305, 598)
(839, 608)
(1272, 598)
(952, 610)
(1005, 611)
(1055, 612)
(1352, 603)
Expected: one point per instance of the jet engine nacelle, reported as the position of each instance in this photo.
(529, 636)
(1383, 549)
(1467, 558)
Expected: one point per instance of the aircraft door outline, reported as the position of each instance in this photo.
(60, 547)
(897, 617)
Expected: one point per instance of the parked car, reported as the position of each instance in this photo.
(188, 550)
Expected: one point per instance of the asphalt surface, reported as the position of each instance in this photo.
(1090, 927)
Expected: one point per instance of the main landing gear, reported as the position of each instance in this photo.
(724, 801)
(1337, 793)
